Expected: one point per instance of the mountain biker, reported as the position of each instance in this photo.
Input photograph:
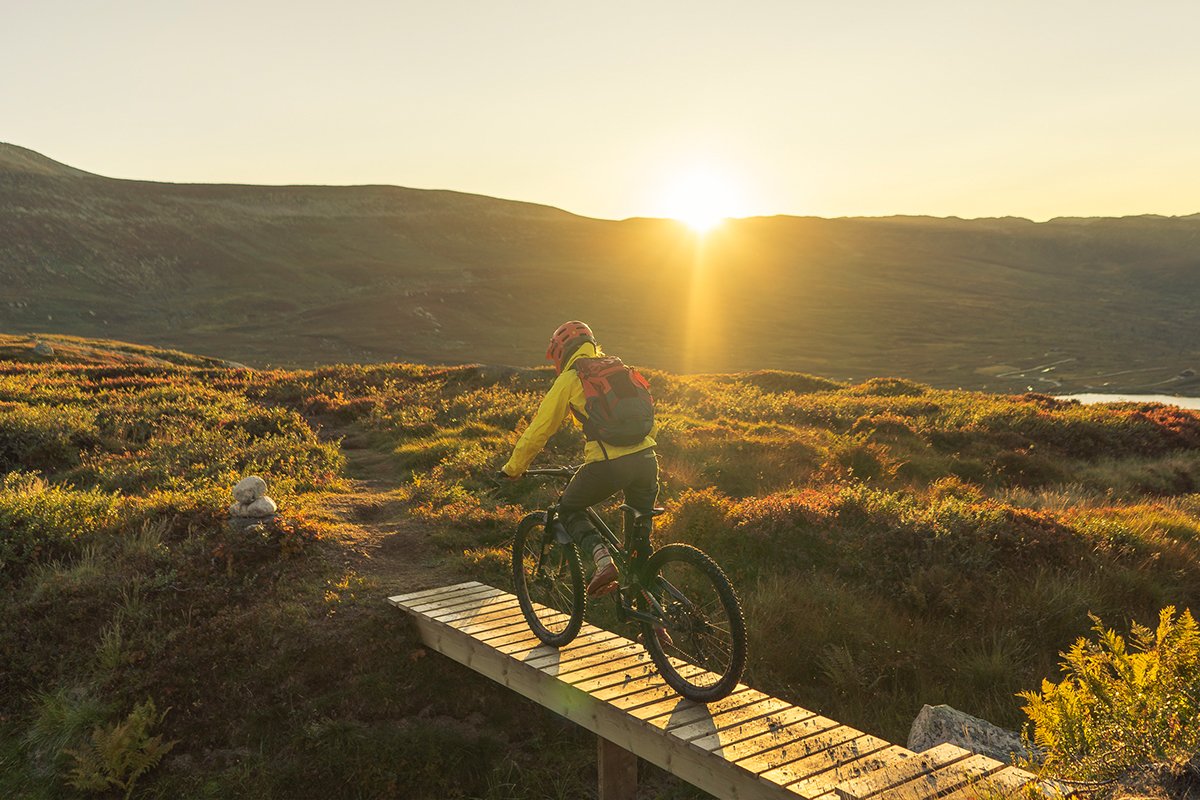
(607, 468)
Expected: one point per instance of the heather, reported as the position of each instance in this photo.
(893, 544)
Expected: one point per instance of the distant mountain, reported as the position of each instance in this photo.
(297, 275)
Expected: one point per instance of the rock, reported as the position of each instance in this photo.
(43, 348)
(262, 507)
(249, 489)
(258, 509)
(940, 724)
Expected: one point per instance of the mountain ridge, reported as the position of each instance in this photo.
(305, 275)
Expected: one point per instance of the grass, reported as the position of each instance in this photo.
(911, 545)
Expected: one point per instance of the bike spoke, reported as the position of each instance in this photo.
(548, 584)
(700, 615)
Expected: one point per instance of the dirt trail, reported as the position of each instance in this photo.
(381, 541)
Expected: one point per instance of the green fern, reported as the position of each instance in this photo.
(1121, 706)
(119, 754)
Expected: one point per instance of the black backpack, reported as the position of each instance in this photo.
(620, 409)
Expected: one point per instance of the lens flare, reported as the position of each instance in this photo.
(701, 199)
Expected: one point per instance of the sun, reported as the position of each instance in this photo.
(701, 199)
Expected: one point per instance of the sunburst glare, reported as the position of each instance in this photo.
(702, 199)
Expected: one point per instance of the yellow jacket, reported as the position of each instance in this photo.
(565, 394)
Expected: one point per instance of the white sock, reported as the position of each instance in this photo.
(601, 557)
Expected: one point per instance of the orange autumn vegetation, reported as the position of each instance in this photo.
(893, 545)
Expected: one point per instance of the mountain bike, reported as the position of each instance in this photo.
(687, 609)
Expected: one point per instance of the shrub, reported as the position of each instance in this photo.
(41, 521)
(44, 437)
(888, 387)
(1122, 707)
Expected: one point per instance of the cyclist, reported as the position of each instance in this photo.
(608, 468)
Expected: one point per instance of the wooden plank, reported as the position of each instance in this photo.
(754, 735)
(617, 769)
(728, 719)
(508, 632)
(464, 611)
(430, 606)
(675, 711)
(620, 657)
(632, 674)
(477, 615)
(440, 605)
(489, 622)
(920, 765)
(787, 744)
(530, 650)
(593, 664)
(473, 611)
(850, 766)
(635, 695)
(590, 654)
(1005, 782)
(825, 751)
(600, 676)
(405, 599)
(962, 773)
(589, 640)
(427, 604)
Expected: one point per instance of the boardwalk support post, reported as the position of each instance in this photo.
(617, 768)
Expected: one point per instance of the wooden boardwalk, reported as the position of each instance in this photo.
(748, 745)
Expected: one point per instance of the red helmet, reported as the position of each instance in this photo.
(566, 340)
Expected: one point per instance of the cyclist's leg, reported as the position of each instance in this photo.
(592, 484)
(641, 490)
(641, 480)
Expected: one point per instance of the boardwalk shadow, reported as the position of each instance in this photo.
(549, 658)
(690, 720)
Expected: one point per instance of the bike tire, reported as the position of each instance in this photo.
(555, 588)
(702, 614)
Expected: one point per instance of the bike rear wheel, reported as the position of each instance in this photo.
(548, 581)
(702, 617)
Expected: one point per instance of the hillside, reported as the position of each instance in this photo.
(893, 545)
(304, 275)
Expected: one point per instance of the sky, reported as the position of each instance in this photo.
(621, 109)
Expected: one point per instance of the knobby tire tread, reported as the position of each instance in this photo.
(535, 524)
(733, 608)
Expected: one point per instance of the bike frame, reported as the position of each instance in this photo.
(630, 562)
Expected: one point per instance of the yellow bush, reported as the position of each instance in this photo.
(1121, 707)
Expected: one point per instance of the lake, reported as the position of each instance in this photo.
(1182, 402)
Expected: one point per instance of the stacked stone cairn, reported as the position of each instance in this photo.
(251, 504)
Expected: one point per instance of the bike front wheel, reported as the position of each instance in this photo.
(701, 623)
(548, 581)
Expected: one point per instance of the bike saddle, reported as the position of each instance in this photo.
(638, 516)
